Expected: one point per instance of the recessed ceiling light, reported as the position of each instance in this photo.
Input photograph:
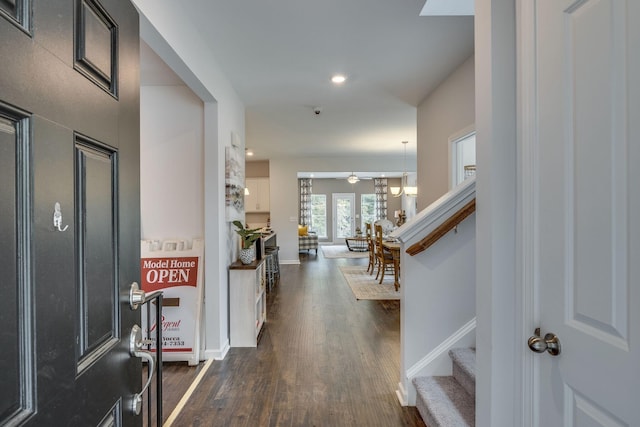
(248, 152)
(338, 78)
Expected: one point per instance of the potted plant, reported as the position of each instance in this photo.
(247, 236)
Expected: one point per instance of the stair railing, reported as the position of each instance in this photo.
(442, 229)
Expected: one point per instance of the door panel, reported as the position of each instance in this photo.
(16, 357)
(96, 42)
(9, 309)
(588, 238)
(96, 216)
(74, 156)
(17, 11)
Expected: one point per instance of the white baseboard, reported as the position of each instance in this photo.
(401, 394)
(436, 361)
(290, 261)
(216, 354)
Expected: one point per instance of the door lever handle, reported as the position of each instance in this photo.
(135, 349)
(550, 343)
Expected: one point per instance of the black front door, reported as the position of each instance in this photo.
(69, 211)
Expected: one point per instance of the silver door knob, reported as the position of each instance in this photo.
(550, 343)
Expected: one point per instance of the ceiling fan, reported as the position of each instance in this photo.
(353, 178)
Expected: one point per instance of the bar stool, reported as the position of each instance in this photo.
(273, 267)
(269, 269)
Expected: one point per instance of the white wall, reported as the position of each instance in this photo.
(171, 163)
(438, 295)
(164, 28)
(447, 110)
(437, 290)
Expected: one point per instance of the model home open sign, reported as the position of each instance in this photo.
(161, 273)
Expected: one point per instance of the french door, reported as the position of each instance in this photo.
(344, 213)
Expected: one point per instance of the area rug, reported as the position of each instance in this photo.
(365, 286)
(341, 251)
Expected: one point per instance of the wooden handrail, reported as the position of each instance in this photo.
(443, 229)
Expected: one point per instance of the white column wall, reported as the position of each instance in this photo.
(498, 377)
(164, 28)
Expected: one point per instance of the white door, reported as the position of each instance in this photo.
(586, 209)
(344, 212)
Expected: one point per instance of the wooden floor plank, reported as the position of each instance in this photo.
(324, 359)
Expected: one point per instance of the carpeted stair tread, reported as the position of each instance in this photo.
(443, 402)
(464, 368)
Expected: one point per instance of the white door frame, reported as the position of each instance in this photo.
(500, 292)
(526, 240)
(334, 222)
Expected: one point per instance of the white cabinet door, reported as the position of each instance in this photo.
(263, 195)
(251, 199)
(258, 198)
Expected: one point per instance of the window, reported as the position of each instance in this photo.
(319, 214)
(367, 209)
(463, 155)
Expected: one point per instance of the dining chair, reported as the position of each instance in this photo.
(371, 247)
(383, 256)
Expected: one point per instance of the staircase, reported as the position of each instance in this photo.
(450, 401)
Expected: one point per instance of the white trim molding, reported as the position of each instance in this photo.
(453, 155)
(402, 395)
(441, 349)
(526, 387)
(216, 354)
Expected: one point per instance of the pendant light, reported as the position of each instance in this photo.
(404, 188)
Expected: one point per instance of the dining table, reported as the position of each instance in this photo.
(393, 246)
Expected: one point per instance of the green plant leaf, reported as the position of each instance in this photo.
(247, 235)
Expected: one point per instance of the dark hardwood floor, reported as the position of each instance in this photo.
(324, 359)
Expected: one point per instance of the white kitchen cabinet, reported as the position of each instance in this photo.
(258, 198)
(247, 302)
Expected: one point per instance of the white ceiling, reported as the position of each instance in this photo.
(279, 55)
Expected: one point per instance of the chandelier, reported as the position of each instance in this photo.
(405, 189)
